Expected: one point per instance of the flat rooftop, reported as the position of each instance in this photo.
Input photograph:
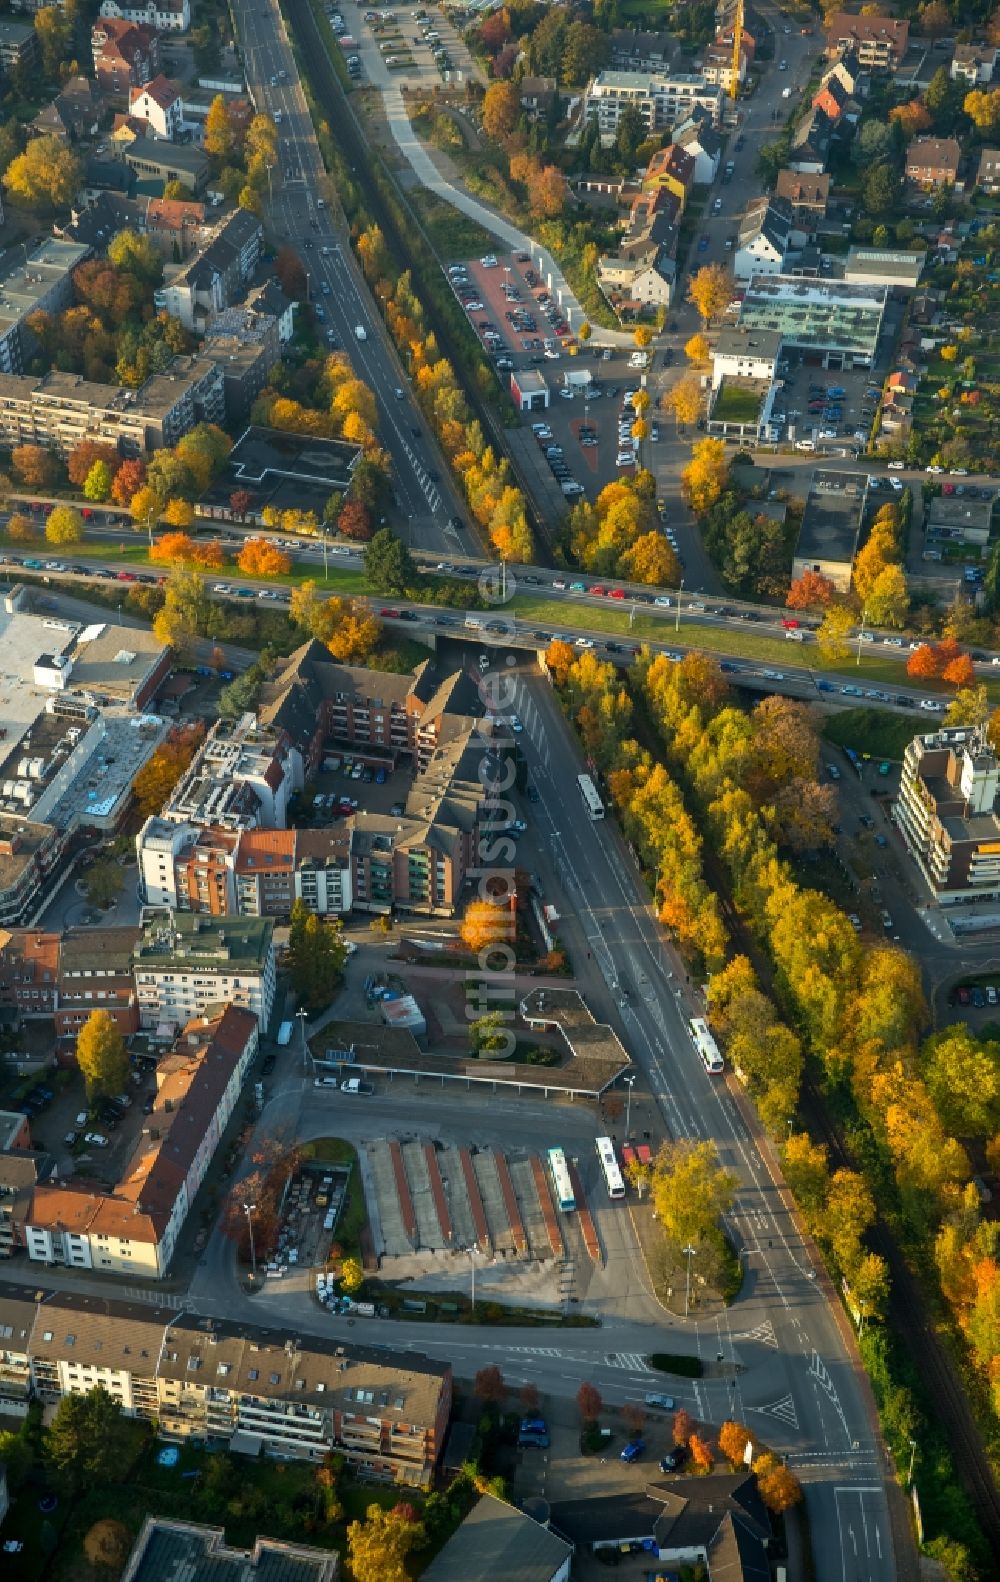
(903, 267)
(284, 470)
(747, 341)
(831, 522)
(959, 511)
(174, 1551)
(831, 315)
(23, 641)
(98, 778)
(24, 284)
(195, 943)
(114, 660)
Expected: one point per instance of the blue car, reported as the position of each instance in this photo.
(633, 1450)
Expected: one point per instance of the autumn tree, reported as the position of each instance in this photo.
(83, 456)
(272, 1165)
(354, 521)
(489, 1385)
(652, 560)
(529, 1399)
(701, 1453)
(260, 558)
(101, 1056)
(683, 1426)
(778, 1487)
(54, 34)
(589, 1402)
(46, 175)
(128, 480)
(704, 478)
(711, 290)
(733, 1441)
(291, 273)
(97, 484)
(834, 632)
(178, 513)
(982, 106)
(634, 1418)
(64, 525)
(160, 773)
(959, 672)
(136, 254)
(697, 350)
(316, 956)
(807, 1172)
(352, 1275)
(173, 549)
(501, 109)
(484, 925)
(378, 1547)
(691, 1192)
(219, 138)
(21, 529)
(35, 466)
(685, 400)
(810, 591)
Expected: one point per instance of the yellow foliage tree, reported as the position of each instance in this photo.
(705, 476)
(485, 924)
(178, 513)
(259, 558)
(64, 525)
(697, 350)
(711, 291)
(684, 400)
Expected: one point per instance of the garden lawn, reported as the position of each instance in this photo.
(874, 733)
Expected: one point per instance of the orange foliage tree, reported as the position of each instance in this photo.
(128, 480)
(485, 924)
(157, 778)
(811, 591)
(960, 672)
(778, 1487)
(733, 1441)
(683, 1426)
(258, 558)
(701, 1453)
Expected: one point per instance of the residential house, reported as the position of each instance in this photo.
(18, 45)
(250, 872)
(94, 225)
(833, 99)
(59, 410)
(810, 147)
(698, 138)
(175, 225)
(246, 343)
(988, 171)
(126, 54)
(184, 965)
(745, 354)
(661, 99)
(763, 241)
(217, 275)
(672, 168)
(498, 1540)
(29, 972)
(158, 103)
(947, 814)
(243, 776)
(880, 42)
(848, 71)
(539, 97)
(165, 16)
(717, 66)
(18, 1311)
(973, 63)
(643, 271)
(807, 196)
(95, 974)
(933, 162)
(107, 175)
(269, 298)
(74, 113)
(637, 49)
(133, 1229)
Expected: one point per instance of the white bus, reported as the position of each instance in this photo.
(591, 800)
(563, 1187)
(613, 1179)
(706, 1046)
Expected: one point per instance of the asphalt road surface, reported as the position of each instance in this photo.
(300, 218)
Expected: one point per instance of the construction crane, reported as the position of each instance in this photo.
(734, 78)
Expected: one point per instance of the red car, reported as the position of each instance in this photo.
(616, 593)
(126, 576)
(392, 614)
(596, 589)
(790, 626)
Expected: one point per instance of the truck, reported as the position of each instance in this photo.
(355, 1085)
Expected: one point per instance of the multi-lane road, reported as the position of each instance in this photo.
(301, 217)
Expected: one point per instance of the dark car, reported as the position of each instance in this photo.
(978, 999)
(674, 1459)
(268, 1065)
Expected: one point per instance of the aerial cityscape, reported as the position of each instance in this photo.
(499, 905)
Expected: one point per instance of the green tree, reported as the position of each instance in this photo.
(97, 484)
(880, 191)
(136, 254)
(963, 1077)
(630, 133)
(488, 1034)
(101, 1056)
(17, 1456)
(89, 1440)
(316, 956)
(102, 883)
(389, 566)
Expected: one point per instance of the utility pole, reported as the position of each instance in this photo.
(630, 1084)
(303, 1016)
(689, 1253)
(248, 1209)
(680, 590)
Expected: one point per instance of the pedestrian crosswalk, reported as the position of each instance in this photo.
(631, 1361)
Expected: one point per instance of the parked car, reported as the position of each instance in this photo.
(96, 1140)
(633, 1450)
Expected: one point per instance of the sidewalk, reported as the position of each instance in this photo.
(427, 172)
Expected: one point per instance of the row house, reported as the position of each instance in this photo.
(988, 171)
(217, 275)
(807, 196)
(672, 168)
(95, 974)
(18, 1311)
(133, 1229)
(933, 162)
(698, 138)
(717, 66)
(29, 972)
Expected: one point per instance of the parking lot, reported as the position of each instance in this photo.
(308, 1219)
(350, 779)
(416, 49)
(584, 433)
(829, 408)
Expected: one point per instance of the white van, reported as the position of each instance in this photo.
(805, 444)
(794, 636)
(285, 1033)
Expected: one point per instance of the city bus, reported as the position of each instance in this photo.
(591, 800)
(706, 1046)
(562, 1186)
(609, 1165)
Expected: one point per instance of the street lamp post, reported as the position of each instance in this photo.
(630, 1084)
(689, 1252)
(303, 1016)
(473, 1253)
(248, 1209)
(913, 1455)
(861, 634)
(680, 590)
